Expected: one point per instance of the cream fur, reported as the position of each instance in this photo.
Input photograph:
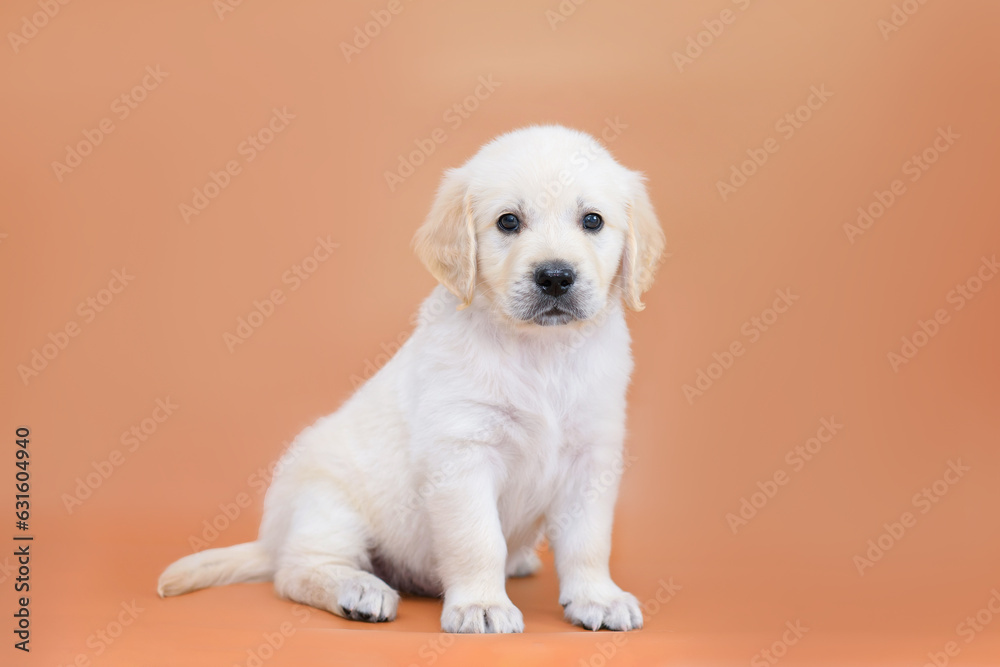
(487, 430)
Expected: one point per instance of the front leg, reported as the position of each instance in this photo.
(579, 528)
(470, 548)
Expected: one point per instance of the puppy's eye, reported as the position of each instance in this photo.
(508, 222)
(592, 222)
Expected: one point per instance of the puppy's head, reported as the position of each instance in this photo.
(545, 226)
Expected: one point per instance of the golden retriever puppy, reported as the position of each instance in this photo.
(500, 421)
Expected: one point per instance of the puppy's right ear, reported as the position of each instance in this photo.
(446, 242)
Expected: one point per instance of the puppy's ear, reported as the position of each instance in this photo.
(644, 243)
(446, 242)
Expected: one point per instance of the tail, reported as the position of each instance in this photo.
(216, 567)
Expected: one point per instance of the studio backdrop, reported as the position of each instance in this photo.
(205, 245)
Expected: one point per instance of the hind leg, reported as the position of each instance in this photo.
(324, 560)
(341, 589)
(522, 553)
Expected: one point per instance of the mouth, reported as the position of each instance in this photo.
(526, 303)
(553, 316)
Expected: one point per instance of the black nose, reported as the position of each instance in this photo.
(555, 278)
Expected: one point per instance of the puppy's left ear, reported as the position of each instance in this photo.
(644, 244)
(446, 242)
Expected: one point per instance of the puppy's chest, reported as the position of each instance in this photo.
(555, 403)
(558, 405)
(549, 435)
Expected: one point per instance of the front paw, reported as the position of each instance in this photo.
(604, 607)
(480, 618)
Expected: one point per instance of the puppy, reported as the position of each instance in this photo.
(499, 422)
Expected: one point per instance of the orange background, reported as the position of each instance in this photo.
(324, 176)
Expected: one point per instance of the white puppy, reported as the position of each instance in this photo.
(499, 421)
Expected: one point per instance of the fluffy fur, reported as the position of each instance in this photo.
(500, 421)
